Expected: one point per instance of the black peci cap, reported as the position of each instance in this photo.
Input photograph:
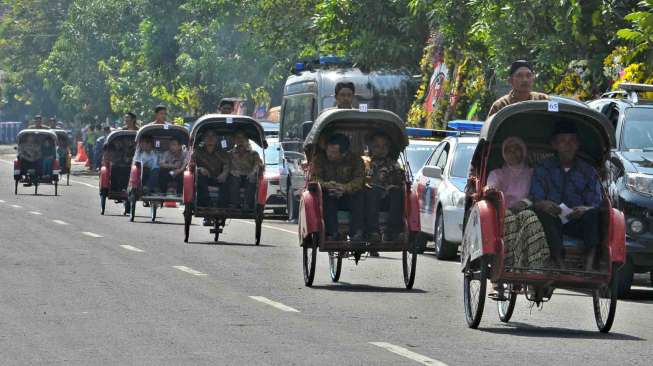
(565, 128)
(516, 65)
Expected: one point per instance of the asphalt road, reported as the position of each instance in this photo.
(98, 290)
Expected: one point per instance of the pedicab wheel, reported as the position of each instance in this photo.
(409, 263)
(188, 217)
(153, 207)
(506, 307)
(216, 229)
(36, 188)
(605, 304)
(103, 202)
(68, 179)
(56, 188)
(335, 265)
(16, 187)
(310, 248)
(259, 224)
(132, 210)
(474, 287)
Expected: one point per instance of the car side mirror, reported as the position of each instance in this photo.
(306, 128)
(432, 171)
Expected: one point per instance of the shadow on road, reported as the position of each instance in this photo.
(639, 295)
(348, 287)
(228, 244)
(527, 330)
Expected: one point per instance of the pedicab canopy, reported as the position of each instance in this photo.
(359, 126)
(226, 125)
(120, 134)
(62, 135)
(162, 132)
(42, 133)
(536, 121)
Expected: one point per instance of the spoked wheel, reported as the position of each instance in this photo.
(216, 229)
(103, 202)
(409, 263)
(474, 288)
(188, 218)
(335, 265)
(36, 188)
(605, 304)
(507, 306)
(68, 179)
(259, 224)
(56, 188)
(310, 248)
(16, 187)
(153, 208)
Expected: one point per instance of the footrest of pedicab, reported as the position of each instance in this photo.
(213, 231)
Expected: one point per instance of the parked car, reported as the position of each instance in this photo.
(440, 187)
(276, 199)
(630, 174)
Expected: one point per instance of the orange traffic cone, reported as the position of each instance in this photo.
(81, 153)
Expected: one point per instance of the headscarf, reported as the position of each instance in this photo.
(513, 180)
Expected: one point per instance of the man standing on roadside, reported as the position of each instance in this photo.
(521, 79)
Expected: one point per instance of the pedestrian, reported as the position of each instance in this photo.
(521, 80)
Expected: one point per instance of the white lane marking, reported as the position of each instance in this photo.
(408, 354)
(7, 162)
(269, 227)
(2, 201)
(16, 206)
(83, 183)
(275, 304)
(190, 270)
(60, 222)
(92, 235)
(35, 213)
(133, 249)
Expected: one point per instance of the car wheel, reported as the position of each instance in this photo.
(444, 250)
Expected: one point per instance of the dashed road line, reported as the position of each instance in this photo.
(60, 222)
(408, 354)
(275, 304)
(16, 206)
(190, 271)
(92, 235)
(35, 213)
(83, 183)
(133, 249)
(2, 201)
(269, 227)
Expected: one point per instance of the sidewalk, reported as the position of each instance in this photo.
(7, 149)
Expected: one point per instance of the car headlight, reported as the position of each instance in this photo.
(641, 183)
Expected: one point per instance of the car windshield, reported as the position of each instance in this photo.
(417, 154)
(297, 110)
(638, 129)
(271, 153)
(462, 159)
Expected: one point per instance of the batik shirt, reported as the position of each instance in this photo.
(579, 186)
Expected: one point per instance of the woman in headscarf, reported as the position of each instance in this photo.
(523, 236)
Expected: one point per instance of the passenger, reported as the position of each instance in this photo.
(245, 165)
(29, 154)
(172, 165)
(566, 179)
(149, 159)
(342, 178)
(524, 238)
(212, 169)
(345, 95)
(384, 188)
(48, 153)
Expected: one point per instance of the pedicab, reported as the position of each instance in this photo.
(37, 162)
(482, 249)
(358, 126)
(137, 190)
(215, 211)
(64, 153)
(118, 152)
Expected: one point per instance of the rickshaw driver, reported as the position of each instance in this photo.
(38, 123)
(521, 79)
(160, 115)
(226, 107)
(385, 179)
(130, 122)
(342, 178)
(565, 179)
(212, 164)
(244, 167)
(345, 95)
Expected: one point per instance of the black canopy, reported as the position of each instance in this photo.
(224, 124)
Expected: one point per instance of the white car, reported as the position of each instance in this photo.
(276, 200)
(440, 187)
